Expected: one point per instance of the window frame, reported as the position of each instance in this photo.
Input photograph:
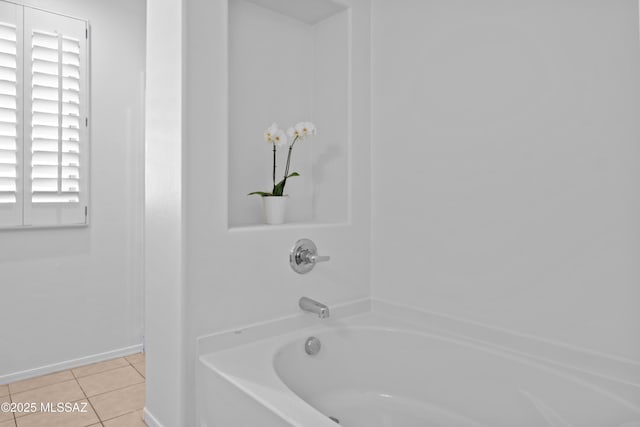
(52, 218)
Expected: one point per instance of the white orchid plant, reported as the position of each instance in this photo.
(278, 138)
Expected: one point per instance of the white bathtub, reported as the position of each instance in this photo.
(378, 371)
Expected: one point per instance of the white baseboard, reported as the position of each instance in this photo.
(150, 419)
(68, 364)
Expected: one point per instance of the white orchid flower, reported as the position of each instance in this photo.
(293, 133)
(279, 137)
(300, 129)
(310, 128)
(270, 132)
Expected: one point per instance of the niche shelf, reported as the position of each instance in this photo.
(289, 62)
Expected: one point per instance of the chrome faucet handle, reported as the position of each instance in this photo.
(311, 258)
(304, 256)
(319, 258)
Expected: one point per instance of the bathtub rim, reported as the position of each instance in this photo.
(274, 394)
(610, 368)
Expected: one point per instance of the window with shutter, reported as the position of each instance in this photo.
(44, 138)
(55, 120)
(8, 114)
(11, 172)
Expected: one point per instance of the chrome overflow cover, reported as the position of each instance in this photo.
(312, 346)
(304, 256)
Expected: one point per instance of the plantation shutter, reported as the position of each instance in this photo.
(10, 115)
(44, 109)
(56, 140)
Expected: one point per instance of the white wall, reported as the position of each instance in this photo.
(506, 174)
(74, 293)
(202, 276)
(236, 277)
(240, 276)
(264, 40)
(285, 70)
(164, 230)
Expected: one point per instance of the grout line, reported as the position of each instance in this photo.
(121, 415)
(88, 400)
(42, 386)
(101, 372)
(15, 419)
(117, 389)
(129, 362)
(138, 371)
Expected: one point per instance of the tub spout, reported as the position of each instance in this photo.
(311, 306)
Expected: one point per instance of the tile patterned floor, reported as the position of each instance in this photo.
(111, 394)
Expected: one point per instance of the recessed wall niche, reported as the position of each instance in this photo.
(289, 62)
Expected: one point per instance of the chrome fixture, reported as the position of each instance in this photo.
(311, 306)
(312, 346)
(304, 256)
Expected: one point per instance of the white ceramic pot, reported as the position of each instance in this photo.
(274, 209)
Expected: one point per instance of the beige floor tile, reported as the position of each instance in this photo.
(4, 390)
(141, 368)
(10, 423)
(135, 358)
(134, 419)
(37, 382)
(110, 380)
(5, 416)
(96, 368)
(68, 391)
(62, 419)
(119, 402)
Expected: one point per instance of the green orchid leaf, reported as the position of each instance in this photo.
(279, 188)
(260, 193)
